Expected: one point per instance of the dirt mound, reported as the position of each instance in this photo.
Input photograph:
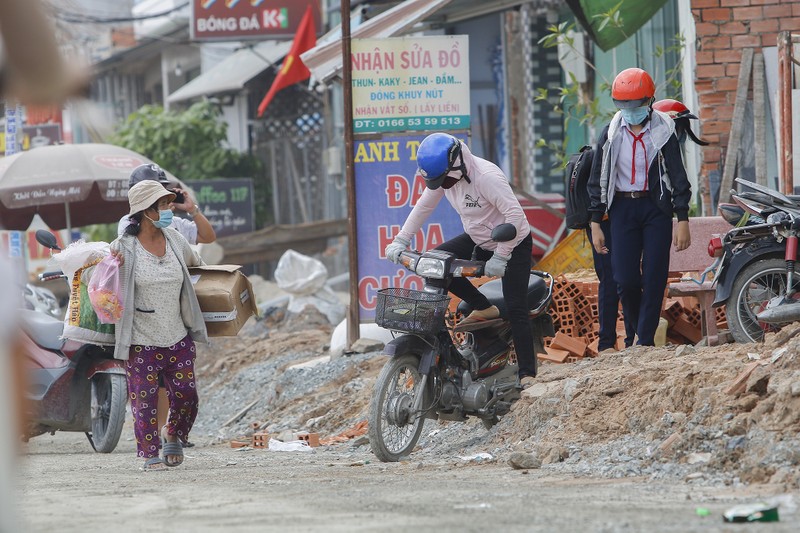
(724, 414)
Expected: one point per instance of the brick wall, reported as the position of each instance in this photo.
(724, 28)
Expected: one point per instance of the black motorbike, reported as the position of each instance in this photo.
(431, 375)
(755, 268)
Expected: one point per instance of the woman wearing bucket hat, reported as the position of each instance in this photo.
(159, 324)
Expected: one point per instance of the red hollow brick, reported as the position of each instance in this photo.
(311, 438)
(572, 345)
(554, 356)
(684, 328)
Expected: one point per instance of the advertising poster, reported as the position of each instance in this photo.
(411, 84)
(387, 187)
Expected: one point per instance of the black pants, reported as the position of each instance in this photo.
(608, 295)
(642, 238)
(515, 294)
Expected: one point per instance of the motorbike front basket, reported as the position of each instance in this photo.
(410, 311)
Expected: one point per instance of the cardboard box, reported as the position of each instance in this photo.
(226, 298)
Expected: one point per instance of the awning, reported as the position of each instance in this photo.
(325, 60)
(231, 74)
(632, 14)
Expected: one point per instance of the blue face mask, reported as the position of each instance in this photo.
(164, 218)
(635, 115)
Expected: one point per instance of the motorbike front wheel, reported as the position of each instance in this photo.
(109, 394)
(754, 287)
(394, 428)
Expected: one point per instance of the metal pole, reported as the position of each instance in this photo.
(353, 318)
(785, 158)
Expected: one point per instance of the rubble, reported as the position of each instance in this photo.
(651, 412)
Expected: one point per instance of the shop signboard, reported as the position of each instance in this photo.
(387, 187)
(232, 20)
(227, 203)
(411, 84)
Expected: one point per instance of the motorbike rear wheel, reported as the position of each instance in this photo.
(109, 395)
(393, 428)
(755, 286)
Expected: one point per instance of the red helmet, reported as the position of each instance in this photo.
(673, 108)
(633, 87)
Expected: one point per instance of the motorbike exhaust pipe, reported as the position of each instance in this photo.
(780, 314)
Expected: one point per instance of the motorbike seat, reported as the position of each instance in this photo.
(493, 290)
(43, 329)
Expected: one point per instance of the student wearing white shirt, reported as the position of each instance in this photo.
(641, 184)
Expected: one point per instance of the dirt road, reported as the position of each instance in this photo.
(66, 487)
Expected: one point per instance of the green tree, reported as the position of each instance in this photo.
(190, 143)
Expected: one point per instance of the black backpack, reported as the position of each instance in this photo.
(579, 167)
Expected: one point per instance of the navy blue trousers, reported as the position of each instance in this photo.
(608, 295)
(642, 235)
(515, 294)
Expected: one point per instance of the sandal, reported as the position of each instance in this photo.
(170, 448)
(154, 464)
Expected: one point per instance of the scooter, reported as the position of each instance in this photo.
(437, 369)
(71, 386)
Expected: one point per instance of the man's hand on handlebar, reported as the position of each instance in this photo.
(395, 248)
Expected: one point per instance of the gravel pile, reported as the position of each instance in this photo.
(650, 413)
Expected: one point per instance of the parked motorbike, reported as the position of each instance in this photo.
(41, 299)
(71, 386)
(755, 276)
(429, 375)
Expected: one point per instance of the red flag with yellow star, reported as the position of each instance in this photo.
(293, 70)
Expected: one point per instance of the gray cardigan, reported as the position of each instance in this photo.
(190, 308)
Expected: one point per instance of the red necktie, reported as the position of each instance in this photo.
(637, 139)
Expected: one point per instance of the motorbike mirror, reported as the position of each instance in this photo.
(47, 239)
(504, 233)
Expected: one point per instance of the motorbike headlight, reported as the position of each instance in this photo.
(428, 267)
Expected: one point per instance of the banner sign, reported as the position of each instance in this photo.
(34, 137)
(387, 187)
(411, 84)
(227, 204)
(216, 20)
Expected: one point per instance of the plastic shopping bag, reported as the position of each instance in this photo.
(105, 291)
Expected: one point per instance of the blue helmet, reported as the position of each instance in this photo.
(436, 155)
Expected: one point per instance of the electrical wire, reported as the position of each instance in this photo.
(77, 18)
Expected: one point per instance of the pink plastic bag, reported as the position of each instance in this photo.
(105, 292)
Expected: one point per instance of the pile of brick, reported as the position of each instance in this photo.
(574, 311)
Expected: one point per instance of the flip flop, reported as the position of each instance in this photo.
(170, 448)
(154, 464)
